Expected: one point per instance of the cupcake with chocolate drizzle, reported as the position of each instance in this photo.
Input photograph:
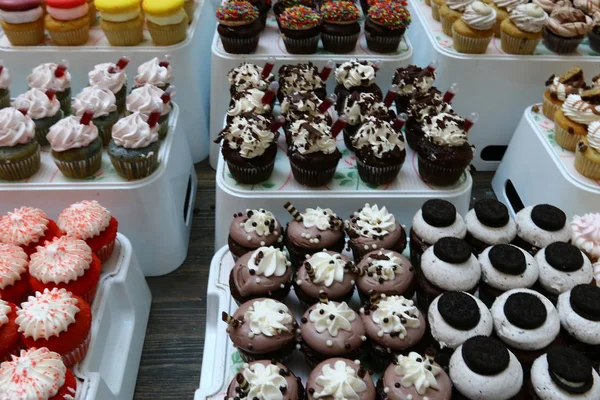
(248, 102)
(340, 379)
(253, 229)
(488, 224)
(412, 81)
(559, 88)
(422, 106)
(248, 76)
(355, 76)
(298, 78)
(265, 379)
(540, 225)
(385, 272)
(302, 105)
(357, 107)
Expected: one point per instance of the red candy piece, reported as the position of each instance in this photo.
(65, 4)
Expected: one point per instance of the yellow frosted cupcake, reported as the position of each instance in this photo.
(451, 12)
(23, 22)
(587, 154)
(522, 30)
(474, 31)
(167, 21)
(68, 22)
(122, 21)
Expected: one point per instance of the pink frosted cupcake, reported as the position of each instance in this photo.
(27, 227)
(111, 76)
(55, 77)
(103, 103)
(148, 99)
(14, 279)
(585, 234)
(154, 72)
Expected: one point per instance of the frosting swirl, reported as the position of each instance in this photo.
(248, 101)
(355, 73)
(458, 5)
(133, 132)
(569, 22)
(585, 232)
(268, 317)
(37, 104)
(328, 268)
(299, 77)
(413, 80)
(252, 136)
(396, 314)
(360, 105)
(579, 110)
(385, 268)
(549, 5)
(593, 136)
(445, 130)
(265, 382)
(23, 226)
(261, 221)
(153, 73)
(562, 90)
(322, 218)
(107, 76)
(529, 17)
(268, 261)
(373, 221)
(340, 382)
(15, 128)
(70, 133)
(5, 309)
(63, 260)
(147, 99)
(332, 317)
(13, 264)
(300, 105)
(312, 137)
(248, 76)
(43, 77)
(508, 5)
(590, 7)
(417, 371)
(479, 16)
(84, 220)
(379, 136)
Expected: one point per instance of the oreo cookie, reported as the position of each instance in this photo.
(525, 310)
(563, 256)
(485, 355)
(585, 301)
(570, 370)
(508, 259)
(459, 310)
(548, 217)
(438, 213)
(452, 250)
(492, 213)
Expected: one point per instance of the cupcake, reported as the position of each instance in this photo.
(338, 378)
(122, 21)
(14, 281)
(262, 329)
(19, 151)
(483, 368)
(585, 232)
(282, 5)
(302, 106)
(27, 227)
(67, 22)
(154, 72)
(134, 147)
(150, 98)
(412, 81)
(23, 22)
(357, 107)
(248, 102)
(452, 11)
(248, 76)
(488, 224)
(380, 151)
(300, 77)
(9, 332)
(238, 27)
(112, 77)
(300, 28)
(315, 230)
(253, 229)
(436, 5)
(340, 26)
(587, 153)
(42, 108)
(594, 36)
(249, 148)
(53, 77)
(455, 317)
(505, 267)
(89, 221)
(91, 12)
(538, 226)
(355, 76)
(549, 5)
(331, 329)
(325, 272)
(265, 272)
(577, 112)
(4, 87)
(76, 146)
(385, 273)
(436, 219)
(385, 26)
(503, 9)
(565, 30)
(263, 7)
(265, 379)
(65, 263)
(166, 21)
(559, 87)
(473, 32)
(522, 30)
(444, 153)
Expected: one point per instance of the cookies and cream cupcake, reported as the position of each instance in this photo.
(585, 234)
(265, 379)
(253, 229)
(385, 272)
(561, 86)
(540, 225)
(339, 379)
(488, 224)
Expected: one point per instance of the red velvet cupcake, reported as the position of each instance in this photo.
(58, 320)
(27, 227)
(65, 263)
(89, 221)
(14, 278)
(10, 339)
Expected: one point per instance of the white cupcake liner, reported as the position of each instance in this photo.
(518, 46)
(469, 45)
(17, 171)
(549, 109)
(566, 140)
(77, 354)
(586, 167)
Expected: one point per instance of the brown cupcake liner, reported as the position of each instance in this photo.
(435, 11)
(65, 101)
(518, 46)
(348, 141)
(312, 178)
(250, 175)
(469, 45)
(168, 35)
(31, 37)
(23, 169)
(549, 109)
(105, 128)
(106, 251)
(136, 169)
(80, 169)
(281, 354)
(586, 167)
(377, 175)
(240, 46)
(382, 44)
(566, 140)
(439, 176)
(77, 354)
(301, 46)
(339, 44)
(75, 37)
(560, 45)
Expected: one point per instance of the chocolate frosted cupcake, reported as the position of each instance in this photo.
(489, 223)
(248, 76)
(19, 151)
(565, 29)
(300, 77)
(355, 76)
(253, 229)
(300, 28)
(505, 267)
(538, 226)
(436, 219)
(559, 88)
(340, 26)
(385, 272)
(338, 379)
(385, 26)
(239, 27)
(265, 379)
(421, 107)
(359, 106)
(412, 81)
(372, 228)
(248, 102)
(331, 329)
(265, 272)
(262, 329)
(483, 368)
(328, 273)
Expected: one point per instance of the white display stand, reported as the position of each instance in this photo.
(154, 212)
(188, 58)
(119, 317)
(496, 85)
(537, 170)
(345, 194)
(271, 45)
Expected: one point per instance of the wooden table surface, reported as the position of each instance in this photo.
(172, 356)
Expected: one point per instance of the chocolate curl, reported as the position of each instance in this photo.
(391, 96)
(289, 207)
(361, 373)
(400, 121)
(450, 93)
(234, 323)
(472, 120)
(338, 125)
(122, 63)
(168, 94)
(327, 103)
(50, 93)
(242, 382)
(61, 69)
(270, 93)
(86, 118)
(374, 297)
(166, 62)
(277, 123)
(326, 71)
(433, 66)
(268, 67)
(153, 118)
(323, 299)
(377, 65)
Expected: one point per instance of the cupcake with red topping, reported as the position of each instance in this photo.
(55, 77)
(300, 28)
(27, 227)
(150, 98)
(239, 27)
(10, 339)
(14, 278)
(19, 151)
(154, 72)
(58, 320)
(89, 221)
(385, 26)
(340, 26)
(42, 108)
(68, 21)
(103, 103)
(111, 76)
(23, 22)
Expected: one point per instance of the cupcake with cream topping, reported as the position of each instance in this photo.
(522, 30)
(252, 229)
(357, 107)
(452, 11)
(121, 21)
(302, 106)
(14, 278)
(111, 76)
(248, 102)
(23, 22)
(10, 338)
(154, 72)
(248, 76)
(68, 22)
(587, 153)
(339, 378)
(19, 151)
(503, 9)
(385, 272)
(585, 231)
(559, 87)
(355, 76)
(473, 32)
(540, 225)
(103, 103)
(300, 77)
(421, 106)
(565, 30)
(27, 227)
(412, 82)
(572, 120)
(55, 77)
(148, 99)
(42, 108)
(265, 379)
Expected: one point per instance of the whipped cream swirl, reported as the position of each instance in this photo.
(340, 382)
(479, 16)
(107, 76)
(311, 137)
(264, 382)
(13, 264)
(385, 269)
(458, 5)
(147, 99)
(585, 232)
(373, 221)
(151, 72)
(355, 73)
(268, 317)
(37, 104)
(268, 261)
(379, 136)
(248, 101)
(262, 222)
(417, 371)
(15, 128)
(84, 220)
(23, 226)
(5, 309)
(252, 137)
(508, 5)
(593, 136)
(320, 217)
(358, 106)
(529, 17)
(332, 317)
(248, 76)
(569, 22)
(101, 101)
(43, 77)
(63, 260)
(396, 314)
(133, 132)
(328, 268)
(70, 133)
(580, 111)
(446, 130)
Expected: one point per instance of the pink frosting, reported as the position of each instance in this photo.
(23, 226)
(586, 234)
(68, 14)
(15, 128)
(70, 133)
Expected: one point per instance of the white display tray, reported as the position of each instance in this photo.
(119, 317)
(494, 84)
(537, 170)
(154, 212)
(188, 58)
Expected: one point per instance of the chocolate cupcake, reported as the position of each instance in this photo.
(359, 106)
(385, 26)
(422, 106)
(265, 379)
(300, 28)
(281, 5)
(302, 105)
(300, 77)
(331, 329)
(340, 26)
(527, 322)
(455, 317)
(488, 224)
(505, 267)
(248, 76)
(483, 368)
(313, 231)
(412, 81)
(248, 102)
(436, 219)
(565, 29)
(385, 272)
(338, 379)
(320, 123)
(262, 329)
(253, 229)
(372, 228)
(538, 226)
(326, 272)
(355, 76)
(265, 272)
(239, 27)
(446, 266)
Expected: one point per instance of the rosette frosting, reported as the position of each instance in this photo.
(268, 261)
(133, 132)
(417, 371)
(322, 218)
(147, 99)
(268, 317)
(153, 73)
(585, 231)
(329, 268)
(332, 317)
(396, 314)
(261, 221)
(37, 104)
(13, 264)
(590, 7)
(43, 77)
(107, 76)
(549, 5)
(386, 269)
(63, 260)
(569, 22)
(300, 105)
(355, 73)
(264, 382)
(479, 16)
(580, 111)
(340, 382)
(84, 220)
(446, 130)
(373, 221)
(248, 101)
(70, 133)
(23, 226)
(5, 309)
(299, 77)
(15, 128)
(379, 136)
(529, 17)
(312, 138)
(458, 5)
(508, 5)
(360, 105)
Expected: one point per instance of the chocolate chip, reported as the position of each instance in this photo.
(525, 310)
(585, 301)
(438, 212)
(563, 256)
(303, 320)
(492, 213)
(459, 310)
(548, 217)
(485, 355)
(570, 370)
(508, 259)
(452, 250)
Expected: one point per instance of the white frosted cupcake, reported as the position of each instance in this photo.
(103, 103)
(42, 108)
(55, 77)
(540, 225)
(522, 30)
(148, 99)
